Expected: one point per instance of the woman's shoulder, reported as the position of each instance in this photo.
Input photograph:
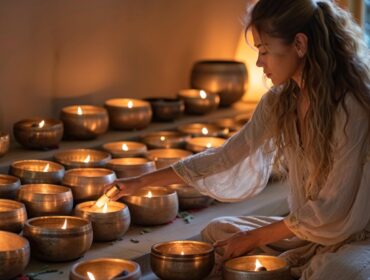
(353, 107)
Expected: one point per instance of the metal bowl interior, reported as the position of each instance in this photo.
(201, 129)
(89, 174)
(53, 225)
(130, 167)
(182, 249)
(13, 215)
(166, 157)
(106, 268)
(4, 143)
(125, 148)
(82, 158)
(9, 185)
(199, 144)
(195, 104)
(165, 139)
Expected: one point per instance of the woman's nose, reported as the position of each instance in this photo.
(259, 62)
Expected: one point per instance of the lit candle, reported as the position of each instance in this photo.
(204, 131)
(130, 104)
(90, 275)
(199, 144)
(87, 159)
(149, 194)
(259, 266)
(46, 168)
(198, 101)
(203, 94)
(64, 226)
(41, 124)
(125, 149)
(162, 138)
(79, 111)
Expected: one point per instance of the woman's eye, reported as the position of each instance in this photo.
(263, 53)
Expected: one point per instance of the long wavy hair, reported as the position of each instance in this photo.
(336, 64)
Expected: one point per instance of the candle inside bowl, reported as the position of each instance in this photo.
(166, 157)
(202, 129)
(182, 260)
(37, 171)
(165, 139)
(58, 238)
(130, 167)
(200, 144)
(9, 186)
(78, 158)
(13, 215)
(199, 101)
(4, 143)
(128, 114)
(84, 121)
(125, 149)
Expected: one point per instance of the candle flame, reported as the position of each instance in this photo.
(105, 208)
(64, 226)
(79, 111)
(130, 104)
(41, 124)
(90, 275)
(46, 168)
(149, 194)
(203, 94)
(124, 147)
(182, 253)
(258, 265)
(87, 159)
(204, 131)
(209, 145)
(163, 138)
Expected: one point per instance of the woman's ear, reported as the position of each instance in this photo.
(300, 44)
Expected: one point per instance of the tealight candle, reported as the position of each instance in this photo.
(125, 149)
(130, 167)
(76, 158)
(84, 121)
(199, 101)
(165, 139)
(202, 129)
(200, 144)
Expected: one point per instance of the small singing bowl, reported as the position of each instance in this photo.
(9, 185)
(182, 260)
(125, 149)
(130, 167)
(58, 238)
(14, 255)
(202, 129)
(88, 183)
(190, 198)
(128, 114)
(38, 133)
(165, 139)
(46, 199)
(4, 143)
(13, 215)
(106, 268)
(109, 223)
(37, 171)
(84, 121)
(199, 102)
(166, 157)
(243, 268)
(200, 144)
(152, 206)
(79, 158)
(166, 109)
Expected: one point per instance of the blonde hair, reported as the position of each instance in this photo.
(336, 64)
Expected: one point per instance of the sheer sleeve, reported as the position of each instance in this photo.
(238, 169)
(342, 208)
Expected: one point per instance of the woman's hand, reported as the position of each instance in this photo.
(127, 186)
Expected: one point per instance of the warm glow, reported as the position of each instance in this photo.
(258, 265)
(105, 208)
(203, 94)
(130, 104)
(87, 159)
(149, 194)
(41, 124)
(209, 145)
(124, 147)
(204, 131)
(79, 110)
(90, 275)
(46, 168)
(182, 253)
(64, 226)
(163, 138)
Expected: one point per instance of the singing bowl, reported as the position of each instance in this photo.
(166, 109)
(14, 255)
(106, 268)
(46, 199)
(4, 143)
(130, 167)
(190, 198)
(202, 129)
(229, 124)
(124, 118)
(166, 157)
(242, 268)
(49, 242)
(93, 121)
(13, 215)
(133, 149)
(200, 144)
(107, 226)
(159, 209)
(30, 135)
(31, 171)
(88, 183)
(169, 264)
(9, 186)
(227, 78)
(165, 139)
(79, 158)
(195, 105)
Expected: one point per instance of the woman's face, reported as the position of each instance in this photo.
(280, 62)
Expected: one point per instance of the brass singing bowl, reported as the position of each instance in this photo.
(165, 139)
(49, 242)
(93, 121)
(166, 157)
(159, 209)
(122, 149)
(9, 186)
(124, 118)
(190, 198)
(166, 109)
(79, 158)
(46, 199)
(106, 268)
(130, 167)
(107, 226)
(31, 171)
(14, 255)
(88, 183)
(195, 105)
(200, 144)
(4, 143)
(13, 215)
(30, 135)
(195, 263)
(202, 129)
(243, 268)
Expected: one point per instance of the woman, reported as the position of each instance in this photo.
(313, 126)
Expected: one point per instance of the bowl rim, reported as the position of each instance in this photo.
(156, 252)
